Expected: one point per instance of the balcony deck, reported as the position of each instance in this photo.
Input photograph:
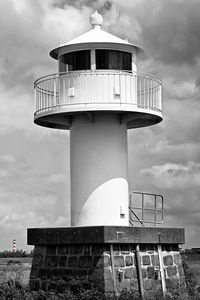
(136, 97)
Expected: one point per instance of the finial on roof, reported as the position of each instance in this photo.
(96, 19)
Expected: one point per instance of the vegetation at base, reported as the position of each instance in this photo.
(14, 290)
(191, 282)
(61, 290)
(18, 253)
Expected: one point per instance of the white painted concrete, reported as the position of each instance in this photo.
(90, 103)
(99, 175)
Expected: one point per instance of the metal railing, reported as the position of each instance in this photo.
(146, 208)
(61, 90)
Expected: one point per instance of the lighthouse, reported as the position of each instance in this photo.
(98, 95)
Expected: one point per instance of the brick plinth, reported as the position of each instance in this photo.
(109, 266)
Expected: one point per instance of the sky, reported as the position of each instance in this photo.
(34, 161)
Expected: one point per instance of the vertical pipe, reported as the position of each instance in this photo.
(113, 270)
(139, 272)
(162, 273)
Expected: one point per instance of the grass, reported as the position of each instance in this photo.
(16, 269)
(14, 286)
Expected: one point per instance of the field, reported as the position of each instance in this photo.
(16, 269)
(193, 261)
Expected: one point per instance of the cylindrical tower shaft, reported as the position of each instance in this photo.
(99, 175)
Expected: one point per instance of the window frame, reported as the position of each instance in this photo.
(121, 59)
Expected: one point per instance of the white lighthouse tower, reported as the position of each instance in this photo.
(98, 95)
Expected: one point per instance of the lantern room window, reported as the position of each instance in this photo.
(78, 60)
(113, 59)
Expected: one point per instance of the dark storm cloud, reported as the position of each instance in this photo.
(170, 30)
(20, 38)
(101, 6)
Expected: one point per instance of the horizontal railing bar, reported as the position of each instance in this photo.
(146, 221)
(145, 193)
(84, 103)
(92, 72)
(148, 209)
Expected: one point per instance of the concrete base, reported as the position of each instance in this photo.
(112, 259)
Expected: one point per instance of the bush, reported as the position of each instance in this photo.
(190, 280)
(18, 253)
(13, 290)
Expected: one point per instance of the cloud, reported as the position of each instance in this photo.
(184, 90)
(177, 176)
(170, 30)
(8, 159)
(4, 173)
(57, 178)
(99, 5)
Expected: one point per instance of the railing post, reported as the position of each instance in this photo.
(35, 99)
(160, 95)
(162, 208)
(155, 211)
(147, 87)
(40, 99)
(142, 209)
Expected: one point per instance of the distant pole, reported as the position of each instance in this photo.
(14, 245)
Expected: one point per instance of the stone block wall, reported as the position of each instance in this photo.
(173, 269)
(112, 270)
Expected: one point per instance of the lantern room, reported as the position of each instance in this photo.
(97, 72)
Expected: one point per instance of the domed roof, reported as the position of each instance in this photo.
(95, 35)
